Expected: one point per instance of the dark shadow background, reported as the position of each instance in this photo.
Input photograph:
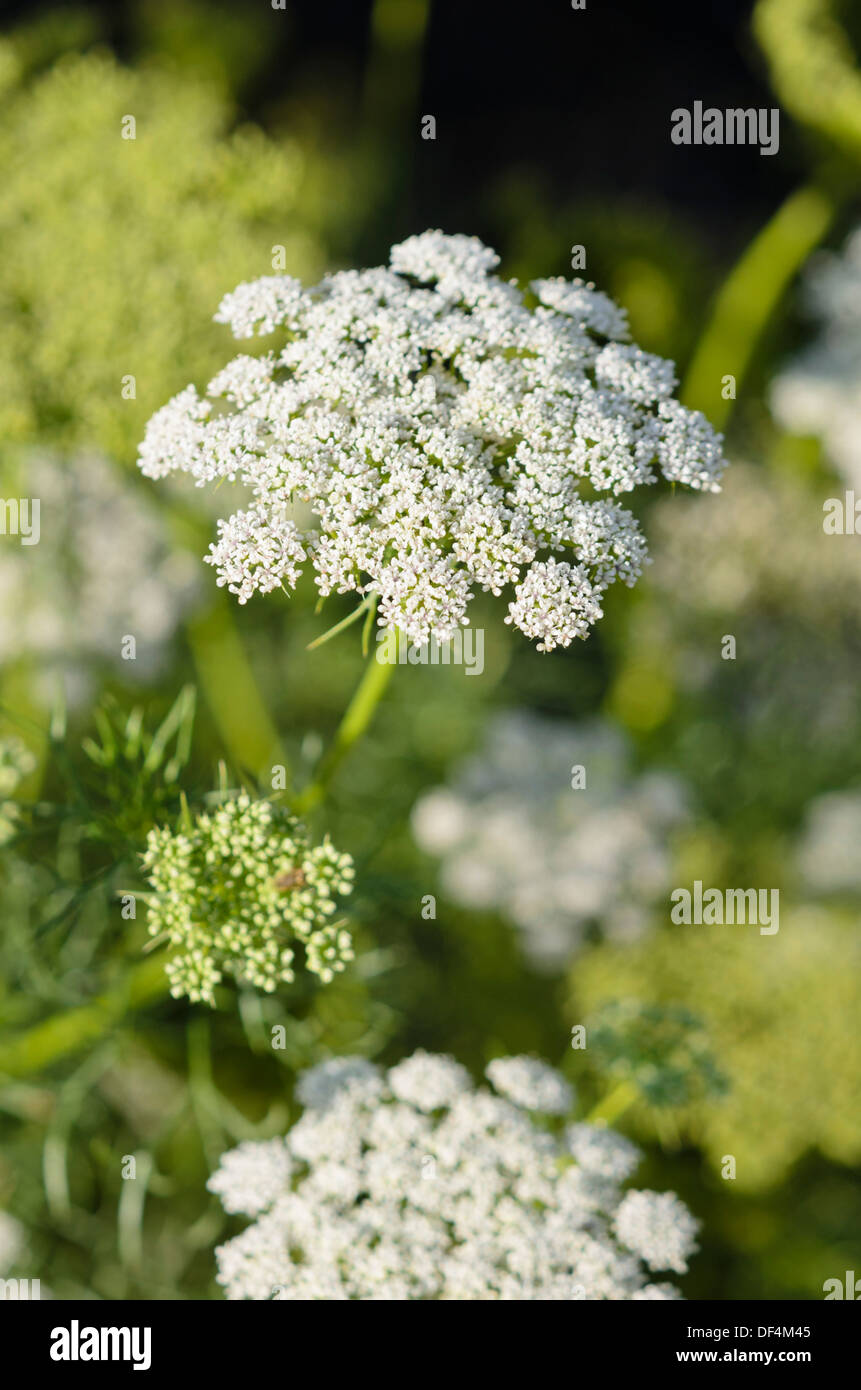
(572, 100)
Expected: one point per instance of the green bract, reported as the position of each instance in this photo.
(236, 889)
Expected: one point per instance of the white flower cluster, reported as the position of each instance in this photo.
(414, 1184)
(741, 574)
(793, 607)
(820, 392)
(827, 852)
(440, 424)
(237, 889)
(104, 568)
(515, 837)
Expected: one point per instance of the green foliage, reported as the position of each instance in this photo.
(813, 66)
(759, 734)
(127, 242)
(705, 1041)
(65, 849)
(662, 1050)
(781, 1012)
(16, 763)
(138, 770)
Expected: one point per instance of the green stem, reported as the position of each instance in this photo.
(223, 670)
(366, 606)
(231, 691)
(614, 1104)
(66, 1033)
(130, 1213)
(813, 67)
(357, 717)
(750, 295)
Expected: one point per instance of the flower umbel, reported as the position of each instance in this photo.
(237, 889)
(413, 1184)
(820, 391)
(514, 837)
(440, 424)
(67, 601)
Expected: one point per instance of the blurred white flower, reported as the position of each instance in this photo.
(428, 1082)
(12, 1241)
(740, 570)
(388, 1191)
(820, 392)
(532, 1084)
(602, 1151)
(104, 568)
(319, 1086)
(658, 1226)
(253, 1176)
(514, 836)
(829, 851)
(766, 573)
(438, 422)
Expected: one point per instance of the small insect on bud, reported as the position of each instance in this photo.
(225, 924)
(294, 878)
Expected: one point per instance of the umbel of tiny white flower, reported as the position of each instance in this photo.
(511, 836)
(236, 890)
(820, 391)
(66, 610)
(441, 424)
(414, 1184)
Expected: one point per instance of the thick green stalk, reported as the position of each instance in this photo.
(750, 295)
(224, 673)
(813, 68)
(614, 1104)
(357, 717)
(231, 692)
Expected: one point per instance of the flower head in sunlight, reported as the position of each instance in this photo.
(415, 1184)
(427, 428)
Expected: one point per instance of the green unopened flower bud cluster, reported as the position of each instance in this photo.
(236, 889)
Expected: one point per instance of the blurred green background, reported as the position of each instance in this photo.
(259, 129)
